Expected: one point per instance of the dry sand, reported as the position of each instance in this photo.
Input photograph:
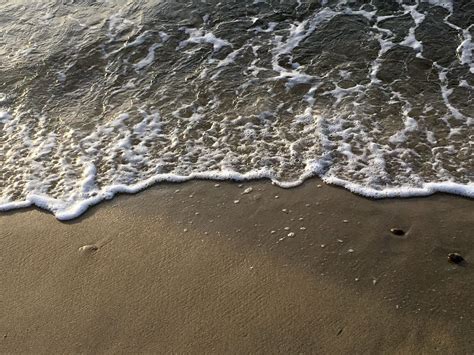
(195, 271)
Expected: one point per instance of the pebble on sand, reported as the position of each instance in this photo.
(247, 191)
(455, 258)
(397, 231)
(236, 201)
(291, 234)
(88, 248)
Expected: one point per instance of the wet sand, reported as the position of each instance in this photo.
(199, 270)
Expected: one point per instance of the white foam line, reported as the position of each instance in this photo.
(426, 189)
(64, 211)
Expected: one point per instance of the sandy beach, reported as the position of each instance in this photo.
(206, 267)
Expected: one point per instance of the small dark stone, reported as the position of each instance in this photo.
(397, 231)
(455, 258)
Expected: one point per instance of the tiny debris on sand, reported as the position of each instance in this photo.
(88, 248)
(291, 234)
(284, 210)
(236, 201)
(217, 185)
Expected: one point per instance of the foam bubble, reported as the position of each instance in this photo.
(4, 117)
(199, 37)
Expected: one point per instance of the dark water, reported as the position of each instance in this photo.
(104, 96)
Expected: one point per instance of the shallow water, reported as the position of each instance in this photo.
(99, 97)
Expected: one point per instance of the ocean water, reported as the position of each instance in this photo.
(100, 97)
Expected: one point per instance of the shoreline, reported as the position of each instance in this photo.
(78, 208)
(200, 270)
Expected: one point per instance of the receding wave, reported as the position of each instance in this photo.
(100, 97)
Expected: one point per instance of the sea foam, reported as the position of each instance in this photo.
(373, 100)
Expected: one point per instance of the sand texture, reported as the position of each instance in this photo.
(222, 269)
